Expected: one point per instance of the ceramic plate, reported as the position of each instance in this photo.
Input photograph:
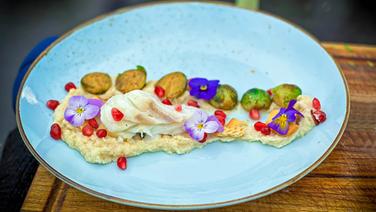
(242, 48)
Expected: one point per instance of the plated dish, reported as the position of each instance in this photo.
(239, 48)
(110, 119)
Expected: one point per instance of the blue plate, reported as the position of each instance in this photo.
(242, 48)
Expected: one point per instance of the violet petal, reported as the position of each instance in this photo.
(290, 114)
(291, 104)
(276, 127)
(202, 116)
(213, 118)
(69, 113)
(96, 102)
(211, 127)
(77, 120)
(281, 111)
(195, 91)
(90, 111)
(197, 82)
(196, 134)
(77, 101)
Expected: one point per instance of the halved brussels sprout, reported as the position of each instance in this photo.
(96, 82)
(226, 97)
(255, 98)
(282, 94)
(174, 84)
(130, 80)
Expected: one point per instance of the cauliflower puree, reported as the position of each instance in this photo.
(118, 143)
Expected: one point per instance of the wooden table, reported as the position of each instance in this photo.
(345, 180)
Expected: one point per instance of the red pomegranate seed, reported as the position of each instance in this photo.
(193, 103)
(265, 130)
(204, 138)
(159, 91)
(259, 125)
(269, 92)
(166, 102)
(93, 123)
(117, 115)
(322, 116)
(315, 119)
(55, 131)
(179, 108)
(87, 130)
(220, 113)
(254, 114)
(52, 104)
(101, 133)
(316, 104)
(69, 86)
(318, 116)
(122, 163)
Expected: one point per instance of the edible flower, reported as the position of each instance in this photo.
(200, 124)
(280, 122)
(202, 88)
(80, 109)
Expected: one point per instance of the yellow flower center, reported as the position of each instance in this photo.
(281, 121)
(80, 110)
(203, 87)
(200, 126)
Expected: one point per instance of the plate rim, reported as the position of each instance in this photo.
(177, 206)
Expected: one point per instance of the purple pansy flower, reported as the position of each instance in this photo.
(200, 123)
(202, 88)
(280, 122)
(80, 109)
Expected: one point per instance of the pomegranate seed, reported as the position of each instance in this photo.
(204, 138)
(52, 104)
(265, 130)
(259, 125)
(87, 130)
(93, 123)
(318, 116)
(69, 86)
(117, 115)
(254, 114)
(316, 120)
(122, 163)
(179, 108)
(166, 102)
(55, 131)
(101, 133)
(193, 103)
(316, 104)
(322, 116)
(159, 91)
(220, 113)
(269, 92)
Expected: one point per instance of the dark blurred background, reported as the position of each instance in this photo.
(25, 22)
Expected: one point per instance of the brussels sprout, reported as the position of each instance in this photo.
(174, 84)
(255, 98)
(96, 82)
(130, 80)
(282, 94)
(226, 97)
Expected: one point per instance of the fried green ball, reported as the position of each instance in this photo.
(284, 93)
(174, 84)
(226, 98)
(130, 80)
(96, 83)
(255, 98)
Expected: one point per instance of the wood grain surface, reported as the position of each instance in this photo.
(346, 180)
